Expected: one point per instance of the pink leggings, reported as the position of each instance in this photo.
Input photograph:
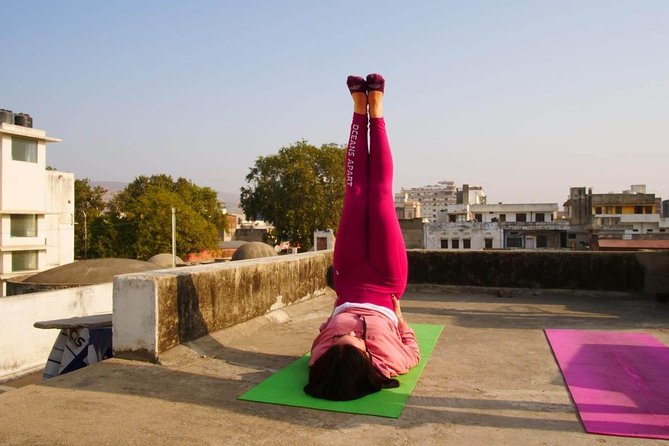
(370, 261)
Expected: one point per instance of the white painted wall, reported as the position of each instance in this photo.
(28, 188)
(475, 232)
(328, 235)
(24, 348)
(59, 218)
(23, 182)
(135, 319)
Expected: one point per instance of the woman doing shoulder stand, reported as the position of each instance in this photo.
(365, 342)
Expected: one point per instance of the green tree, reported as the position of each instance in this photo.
(140, 221)
(298, 190)
(104, 240)
(88, 205)
(153, 229)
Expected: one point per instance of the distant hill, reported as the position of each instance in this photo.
(230, 199)
(112, 187)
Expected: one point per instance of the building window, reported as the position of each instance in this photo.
(649, 230)
(502, 217)
(451, 218)
(24, 150)
(455, 243)
(648, 209)
(619, 209)
(540, 217)
(24, 261)
(23, 226)
(444, 243)
(598, 210)
(542, 241)
(478, 217)
(514, 242)
(488, 243)
(638, 209)
(521, 217)
(466, 244)
(571, 236)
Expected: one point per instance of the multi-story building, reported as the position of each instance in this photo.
(498, 226)
(470, 194)
(405, 208)
(433, 199)
(630, 215)
(36, 204)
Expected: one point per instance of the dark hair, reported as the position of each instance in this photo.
(344, 373)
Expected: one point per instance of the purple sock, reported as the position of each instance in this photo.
(356, 84)
(375, 82)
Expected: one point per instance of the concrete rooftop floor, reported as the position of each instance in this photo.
(492, 379)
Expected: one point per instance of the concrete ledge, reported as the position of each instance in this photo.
(158, 310)
(635, 272)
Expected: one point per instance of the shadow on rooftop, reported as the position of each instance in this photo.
(223, 373)
(528, 311)
(221, 392)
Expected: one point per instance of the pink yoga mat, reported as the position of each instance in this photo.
(619, 381)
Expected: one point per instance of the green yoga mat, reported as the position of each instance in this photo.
(285, 386)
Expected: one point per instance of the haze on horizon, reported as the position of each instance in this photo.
(525, 98)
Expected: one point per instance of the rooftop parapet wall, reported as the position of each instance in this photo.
(642, 272)
(158, 310)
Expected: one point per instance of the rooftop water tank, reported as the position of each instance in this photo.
(6, 116)
(23, 119)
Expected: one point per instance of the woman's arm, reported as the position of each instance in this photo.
(407, 334)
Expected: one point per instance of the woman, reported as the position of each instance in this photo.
(365, 342)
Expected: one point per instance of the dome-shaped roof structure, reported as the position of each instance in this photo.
(164, 260)
(89, 272)
(253, 250)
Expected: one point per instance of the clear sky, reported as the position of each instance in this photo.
(525, 98)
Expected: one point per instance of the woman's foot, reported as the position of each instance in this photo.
(375, 82)
(358, 88)
(375, 87)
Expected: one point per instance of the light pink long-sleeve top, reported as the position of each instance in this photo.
(393, 348)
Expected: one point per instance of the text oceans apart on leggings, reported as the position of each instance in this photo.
(351, 154)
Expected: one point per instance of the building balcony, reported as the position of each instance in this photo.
(534, 225)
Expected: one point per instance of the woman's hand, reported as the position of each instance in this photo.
(398, 310)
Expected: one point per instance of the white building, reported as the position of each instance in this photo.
(406, 209)
(463, 235)
(432, 198)
(471, 194)
(497, 226)
(36, 204)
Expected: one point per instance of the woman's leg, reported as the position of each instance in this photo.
(351, 242)
(385, 244)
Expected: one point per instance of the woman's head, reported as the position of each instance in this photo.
(343, 373)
